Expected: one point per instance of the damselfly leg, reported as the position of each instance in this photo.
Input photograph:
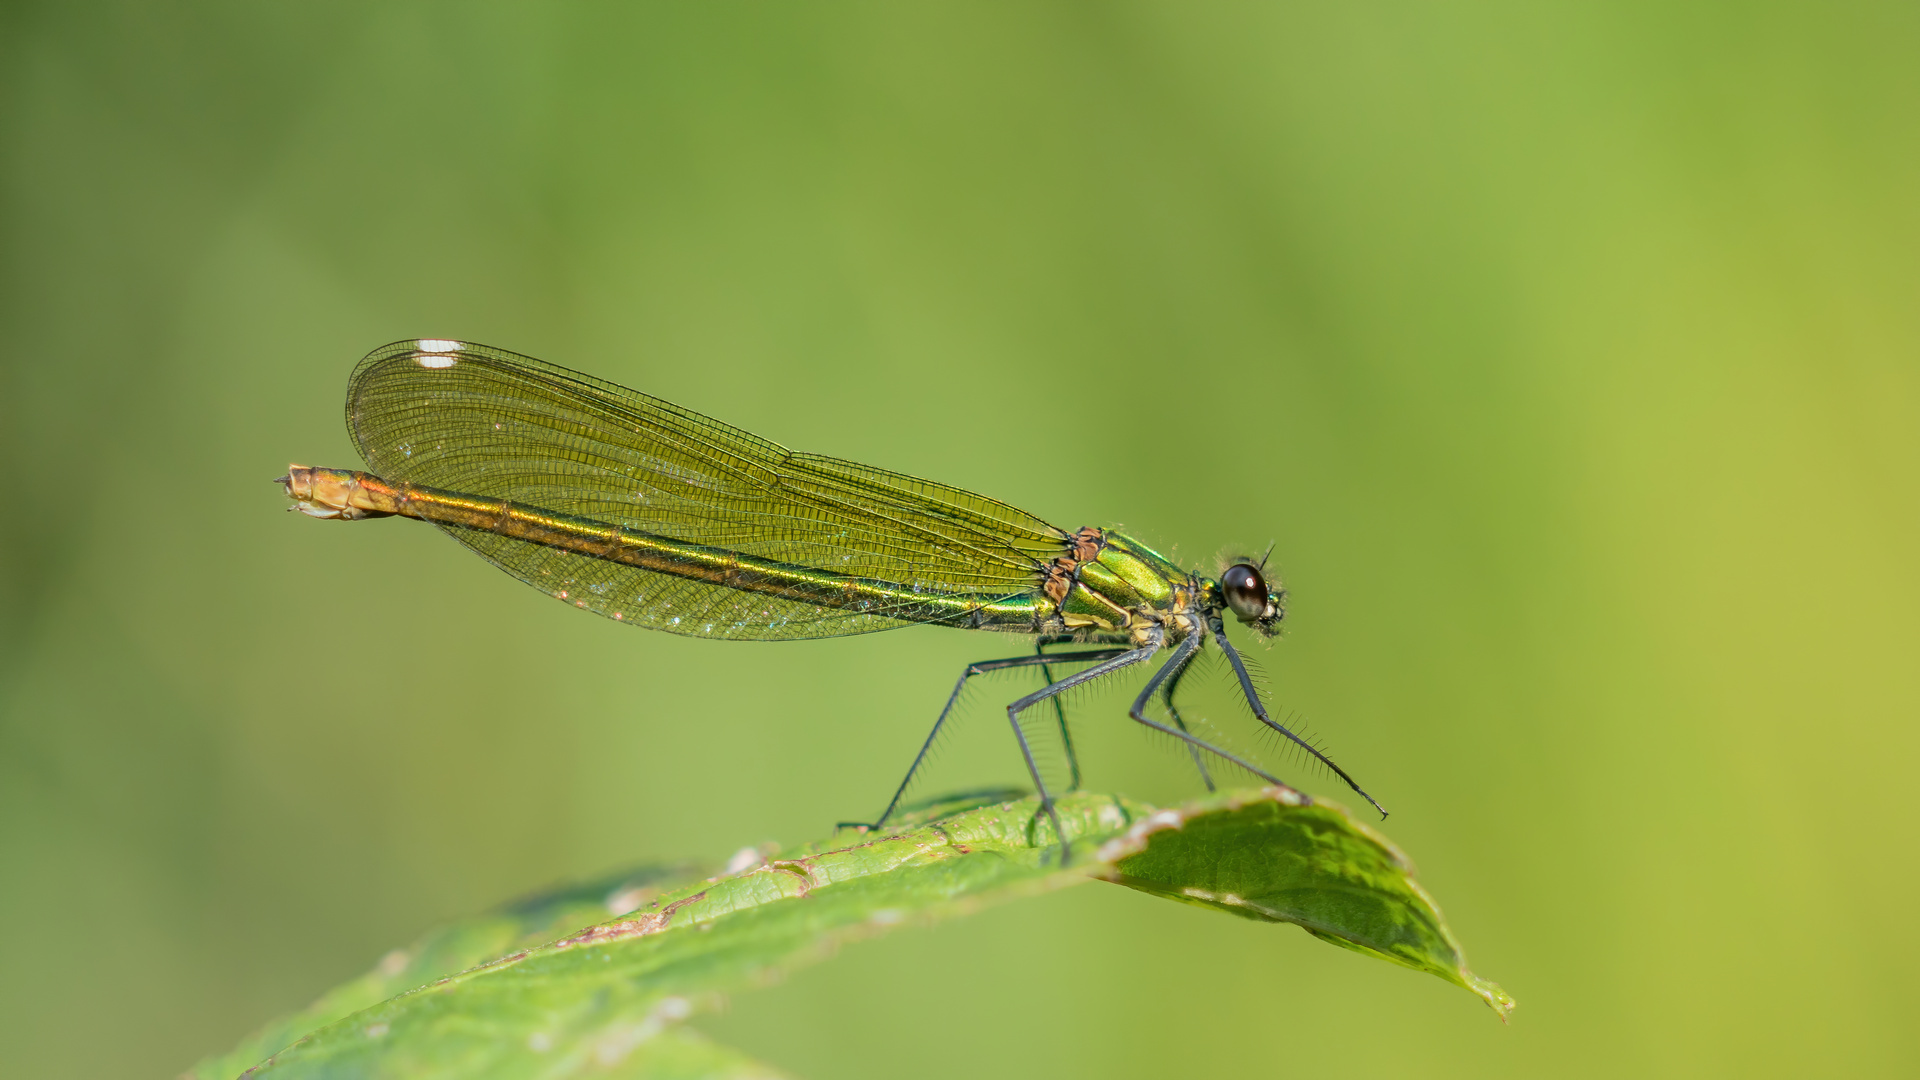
(1166, 698)
(1260, 711)
(1060, 711)
(1182, 655)
(1125, 658)
(981, 668)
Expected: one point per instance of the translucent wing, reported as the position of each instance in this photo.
(469, 418)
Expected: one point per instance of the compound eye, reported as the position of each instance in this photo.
(1246, 591)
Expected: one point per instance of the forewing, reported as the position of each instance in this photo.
(483, 421)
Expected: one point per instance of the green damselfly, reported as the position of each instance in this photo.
(650, 514)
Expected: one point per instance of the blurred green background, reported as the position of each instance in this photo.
(1567, 351)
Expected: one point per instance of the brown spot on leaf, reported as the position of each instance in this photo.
(651, 923)
(799, 869)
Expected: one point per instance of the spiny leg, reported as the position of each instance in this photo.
(1182, 654)
(1060, 712)
(1060, 705)
(1166, 696)
(979, 668)
(1260, 711)
(1125, 658)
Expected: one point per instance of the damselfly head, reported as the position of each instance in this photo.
(1253, 599)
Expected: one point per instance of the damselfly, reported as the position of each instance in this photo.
(647, 513)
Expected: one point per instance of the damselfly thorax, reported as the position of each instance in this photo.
(647, 513)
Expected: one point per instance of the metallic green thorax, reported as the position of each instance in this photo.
(1127, 588)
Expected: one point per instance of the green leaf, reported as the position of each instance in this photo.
(606, 998)
(455, 948)
(1271, 855)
